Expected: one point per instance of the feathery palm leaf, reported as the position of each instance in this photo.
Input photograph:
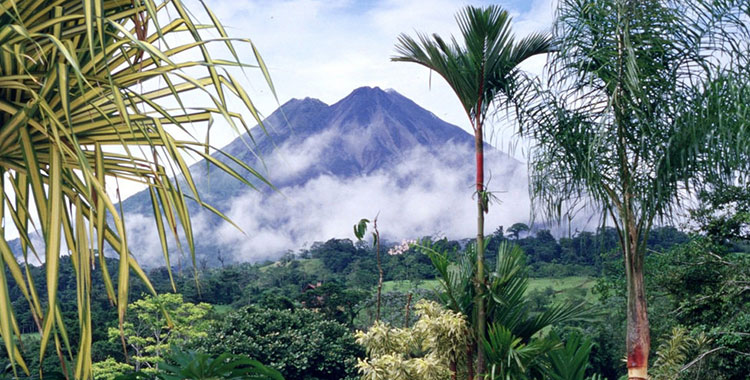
(92, 92)
(569, 362)
(455, 278)
(485, 66)
(514, 344)
(642, 95)
(510, 307)
(509, 356)
(647, 100)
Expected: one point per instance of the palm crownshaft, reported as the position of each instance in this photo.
(480, 71)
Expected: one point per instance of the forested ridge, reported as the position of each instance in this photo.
(336, 279)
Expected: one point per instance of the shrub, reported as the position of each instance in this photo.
(300, 343)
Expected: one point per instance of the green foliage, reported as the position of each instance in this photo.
(517, 229)
(394, 307)
(360, 229)
(154, 324)
(697, 285)
(337, 254)
(89, 94)
(507, 287)
(110, 369)
(426, 351)
(513, 346)
(672, 355)
(645, 100)
(279, 286)
(570, 361)
(706, 292)
(190, 365)
(509, 356)
(724, 213)
(300, 343)
(334, 301)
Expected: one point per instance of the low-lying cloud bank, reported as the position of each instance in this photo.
(423, 194)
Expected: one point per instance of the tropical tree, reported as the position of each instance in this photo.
(513, 344)
(647, 101)
(91, 93)
(300, 343)
(517, 228)
(150, 335)
(481, 71)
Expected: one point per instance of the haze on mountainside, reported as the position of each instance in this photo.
(375, 152)
(372, 152)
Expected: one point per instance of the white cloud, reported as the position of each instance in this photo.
(293, 158)
(325, 49)
(423, 195)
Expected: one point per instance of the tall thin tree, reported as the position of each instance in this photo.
(481, 70)
(647, 100)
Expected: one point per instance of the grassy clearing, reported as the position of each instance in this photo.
(407, 285)
(562, 287)
(222, 309)
(313, 266)
(565, 287)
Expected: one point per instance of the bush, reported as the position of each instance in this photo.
(300, 343)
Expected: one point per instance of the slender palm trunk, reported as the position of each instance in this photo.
(408, 308)
(470, 361)
(481, 208)
(380, 268)
(638, 341)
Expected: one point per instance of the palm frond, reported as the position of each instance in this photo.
(98, 91)
(570, 361)
(507, 287)
(455, 278)
(636, 88)
(509, 356)
(484, 66)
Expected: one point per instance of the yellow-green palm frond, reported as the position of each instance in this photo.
(94, 91)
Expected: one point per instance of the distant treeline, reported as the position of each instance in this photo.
(337, 278)
(349, 263)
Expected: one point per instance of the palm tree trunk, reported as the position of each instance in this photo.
(470, 361)
(638, 341)
(380, 267)
(481, 208)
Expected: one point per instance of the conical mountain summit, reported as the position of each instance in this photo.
(332, 164)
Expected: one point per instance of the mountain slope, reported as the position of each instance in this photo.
(373, 151)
